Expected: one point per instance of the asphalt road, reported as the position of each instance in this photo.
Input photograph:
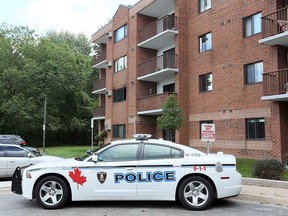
(14, 205)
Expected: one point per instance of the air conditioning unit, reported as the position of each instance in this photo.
(109, 64)
(109, 35)
(107, 127)
(108, 93)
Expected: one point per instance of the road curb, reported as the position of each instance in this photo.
(265, 183)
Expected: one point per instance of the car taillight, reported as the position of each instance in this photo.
(23, 143)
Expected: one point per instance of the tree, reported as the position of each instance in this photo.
(32, 68)
(172, 116)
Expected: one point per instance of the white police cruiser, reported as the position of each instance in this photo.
(136, 169)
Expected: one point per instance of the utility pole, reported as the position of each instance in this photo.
(44, 124)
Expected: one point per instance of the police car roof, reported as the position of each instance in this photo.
(153, 141)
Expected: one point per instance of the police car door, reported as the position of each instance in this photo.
(159, 171)
(108, 177)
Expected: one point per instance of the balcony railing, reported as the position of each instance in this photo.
(99, 57)
(275, 23)
(99, 84)
(275, 82)
(153, 102)
(99, 112)
(168, 22)
(158, 63)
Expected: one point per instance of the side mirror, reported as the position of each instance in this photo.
(89, 152)
(95, 158)
(30, 155)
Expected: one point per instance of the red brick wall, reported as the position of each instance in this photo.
(231, 101)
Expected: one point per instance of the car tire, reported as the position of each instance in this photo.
(195, 193)
(51, 192)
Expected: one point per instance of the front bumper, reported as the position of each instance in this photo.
(16, 186)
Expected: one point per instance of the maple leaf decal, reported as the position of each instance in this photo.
(76, 177)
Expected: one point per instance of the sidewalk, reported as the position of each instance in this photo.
(254, 190)
(264, 191)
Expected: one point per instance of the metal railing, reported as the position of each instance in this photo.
(153, 102)
(99, 84)
(156, 27)
(99, 111)
(275, 23)
(275, 82)
(153, 65)
(99, 57)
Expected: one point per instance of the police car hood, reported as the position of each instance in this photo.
(62, 162)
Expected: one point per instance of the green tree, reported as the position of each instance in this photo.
(32, 68)
(172, 116)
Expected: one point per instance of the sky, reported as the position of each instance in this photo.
(76, 16)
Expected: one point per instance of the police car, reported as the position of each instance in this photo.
(136, 169)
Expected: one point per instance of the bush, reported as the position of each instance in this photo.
(269, 169)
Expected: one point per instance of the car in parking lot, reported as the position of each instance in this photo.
(12, 156)
(9, 138)
(134, 169)
(17, 140)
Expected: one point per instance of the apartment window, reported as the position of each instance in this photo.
(252, 25)
(120, 33)
(205, 42)
(255, 128)
(204, 5)
(203, 122)
(120, 64)
(253, 73)
(119, 131)
(119, 95)
(205, 82)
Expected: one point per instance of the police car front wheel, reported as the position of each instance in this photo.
(51, 192)
(195, 193)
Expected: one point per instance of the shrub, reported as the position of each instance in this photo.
(269, 169)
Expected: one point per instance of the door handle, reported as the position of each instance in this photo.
(129, 168)
(12, 161)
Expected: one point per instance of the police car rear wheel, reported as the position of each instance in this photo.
(195, 193)
(51, 192)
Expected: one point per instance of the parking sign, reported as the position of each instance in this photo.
(208, 132)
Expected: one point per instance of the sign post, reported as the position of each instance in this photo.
(208, 135)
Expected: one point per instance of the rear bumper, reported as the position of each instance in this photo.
(16, 186)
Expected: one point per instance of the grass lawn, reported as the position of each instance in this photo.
(67, 151)
(244, 166)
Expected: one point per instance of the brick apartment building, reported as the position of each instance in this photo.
(225, 61)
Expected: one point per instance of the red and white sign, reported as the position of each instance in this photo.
(208, 132)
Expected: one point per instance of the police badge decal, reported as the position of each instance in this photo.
(101, 177)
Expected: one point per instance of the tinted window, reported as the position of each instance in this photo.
(1, 151)
(6, 141)
(16, 152)
(160, 152)
(120, 153)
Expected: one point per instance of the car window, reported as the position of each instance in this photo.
(6, 141)
(159, 152)
(119, 153)
(1, 151)
(16, 152)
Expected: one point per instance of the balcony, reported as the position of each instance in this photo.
(99, 86)
(274, 28)
(158, 68)
(275, 85)
(159, 34)
(99, 60)
(151, 105)
(99, 113)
